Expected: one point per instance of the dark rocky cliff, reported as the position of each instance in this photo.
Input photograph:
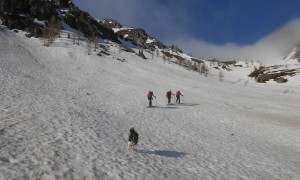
(23, 15)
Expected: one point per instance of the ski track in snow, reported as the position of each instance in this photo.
(65, 115)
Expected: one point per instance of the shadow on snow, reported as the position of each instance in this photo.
(171, 154)
(187, 104)
(174, 106)
(162, 107)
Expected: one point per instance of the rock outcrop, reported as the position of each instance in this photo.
(110, 23)
(136, 36)
(24, 14)
(27, 15)
(276, 73)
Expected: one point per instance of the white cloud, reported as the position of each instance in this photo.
(269, 49)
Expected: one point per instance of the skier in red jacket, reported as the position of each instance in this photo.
(150, 97)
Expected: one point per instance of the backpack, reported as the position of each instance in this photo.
(150, 93)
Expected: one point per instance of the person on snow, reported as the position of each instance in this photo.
(132, 139)
(178, 94)
(150, 97)
(169, 96)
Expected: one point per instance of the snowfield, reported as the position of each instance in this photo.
(67, 115)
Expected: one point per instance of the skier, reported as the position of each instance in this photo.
(178, 94)
(150, 97)
(169, 95)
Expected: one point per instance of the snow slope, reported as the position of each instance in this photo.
(66, 115)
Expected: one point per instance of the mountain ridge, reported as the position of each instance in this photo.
(36, 18)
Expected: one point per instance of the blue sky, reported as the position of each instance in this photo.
(214, 24)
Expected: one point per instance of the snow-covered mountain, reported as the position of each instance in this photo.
(293, 56)
(39, 18)
(67, 107)
(136, 36)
